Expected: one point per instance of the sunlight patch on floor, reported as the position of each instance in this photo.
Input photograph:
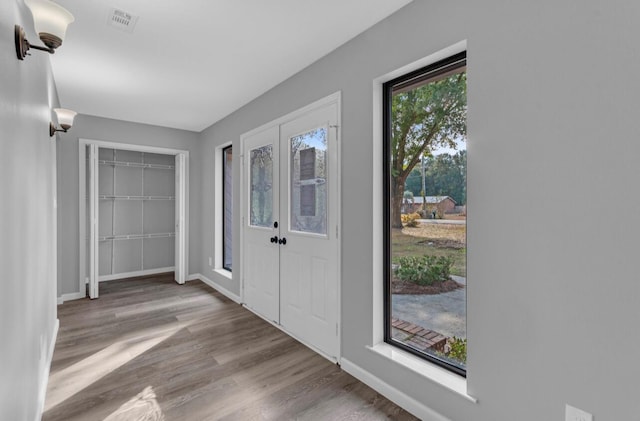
(65, 383)
(142, 407)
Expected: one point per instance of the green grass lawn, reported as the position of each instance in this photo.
(445, 241)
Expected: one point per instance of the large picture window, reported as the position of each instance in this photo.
(425, 162)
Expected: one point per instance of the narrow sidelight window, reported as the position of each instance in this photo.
(227, 198)
(425, 181)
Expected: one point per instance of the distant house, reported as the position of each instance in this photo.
(441, 204)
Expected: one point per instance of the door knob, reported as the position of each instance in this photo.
(274, 239)
(282, 241)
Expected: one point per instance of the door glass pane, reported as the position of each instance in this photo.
(308, 178)
(261, 179)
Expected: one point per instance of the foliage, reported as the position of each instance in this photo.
(445, 175)
(423, 119)
(457, 349)
(403, 244)
(410, 219)
(424, 270)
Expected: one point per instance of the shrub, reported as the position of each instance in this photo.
(410, 219)
(424, 270)
(457, 349)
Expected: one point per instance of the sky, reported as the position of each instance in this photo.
(461, 145)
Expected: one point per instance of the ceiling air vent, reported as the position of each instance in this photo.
(122, 20)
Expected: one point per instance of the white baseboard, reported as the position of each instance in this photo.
(222, 290)
(106, 278)
(398, 397)
(44, 378)
(70, 297)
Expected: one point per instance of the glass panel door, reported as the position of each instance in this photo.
(261, 179)
(261, 247)
(308, 181)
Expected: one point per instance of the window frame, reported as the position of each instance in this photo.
(414, 78)
(224, 202)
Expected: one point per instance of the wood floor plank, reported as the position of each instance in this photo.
(149, 348)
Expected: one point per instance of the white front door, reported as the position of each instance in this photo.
(260, 246)
(308, 212)
(290, 235)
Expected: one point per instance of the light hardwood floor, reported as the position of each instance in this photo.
(149, 349)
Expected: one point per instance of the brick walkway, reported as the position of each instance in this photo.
(417, 336)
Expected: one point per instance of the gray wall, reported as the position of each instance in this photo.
(96, 128)
(27, 220)
(552, 94)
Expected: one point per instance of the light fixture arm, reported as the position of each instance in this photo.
(37, 47)
(23, 45)
(52, 129)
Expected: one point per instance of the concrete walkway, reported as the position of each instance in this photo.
(443, 313)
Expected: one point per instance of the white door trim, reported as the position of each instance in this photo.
(94, 262)
(335, 98)
(180, 262)
(82, 195)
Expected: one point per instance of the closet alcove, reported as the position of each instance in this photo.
(136, 193)
(133, 211)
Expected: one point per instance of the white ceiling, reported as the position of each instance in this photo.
(190, 63)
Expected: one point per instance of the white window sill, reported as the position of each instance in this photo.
(424, 368)
(223, 272)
